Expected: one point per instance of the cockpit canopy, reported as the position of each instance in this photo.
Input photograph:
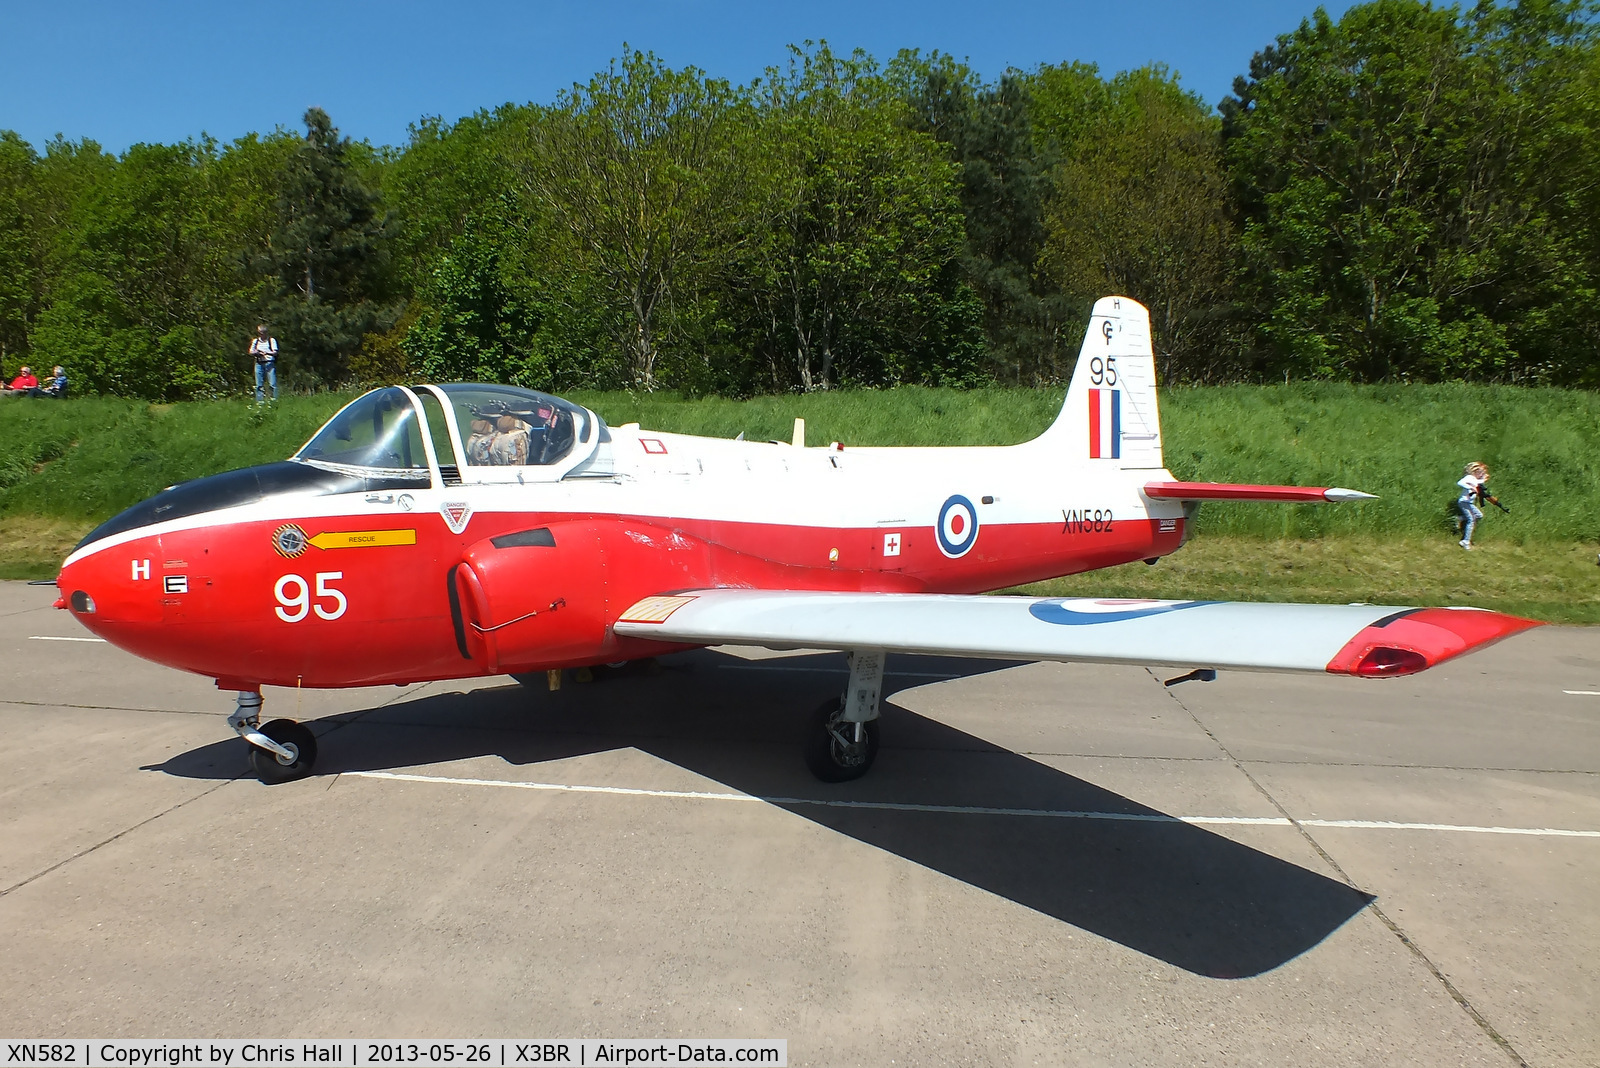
(376, 430)
(469, 425)
(400, 438)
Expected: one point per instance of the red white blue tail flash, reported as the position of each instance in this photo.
(1105, 424)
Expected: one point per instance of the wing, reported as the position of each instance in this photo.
(1365, 640)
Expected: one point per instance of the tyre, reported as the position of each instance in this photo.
(269, 767)
(831, 753)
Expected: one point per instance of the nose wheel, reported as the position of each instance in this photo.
(280, 751)
(271, 767)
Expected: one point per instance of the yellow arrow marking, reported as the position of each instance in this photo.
(363, 539)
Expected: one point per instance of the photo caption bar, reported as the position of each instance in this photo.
(379, 1053)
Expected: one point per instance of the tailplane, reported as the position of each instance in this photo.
(1110, 414)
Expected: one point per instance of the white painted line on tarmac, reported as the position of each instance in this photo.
(1583, 693)
(1385, 825)
(977, 810)
(58, 638)
(698, 795)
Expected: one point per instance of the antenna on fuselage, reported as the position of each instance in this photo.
(799, 441)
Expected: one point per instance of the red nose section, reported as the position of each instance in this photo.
(1409, 642)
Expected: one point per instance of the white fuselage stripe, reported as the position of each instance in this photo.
(978, 810)
(710, 479)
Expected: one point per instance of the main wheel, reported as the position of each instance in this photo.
(832, 752)
(271, 768)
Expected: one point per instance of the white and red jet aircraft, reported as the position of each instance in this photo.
(450, 531)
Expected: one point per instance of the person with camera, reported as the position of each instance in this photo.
(1474, 494)
(264, 351)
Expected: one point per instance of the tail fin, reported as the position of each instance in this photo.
(1110, 412)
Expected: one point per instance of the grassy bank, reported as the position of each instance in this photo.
(64, 466)
(86, 459)
(1554, 581)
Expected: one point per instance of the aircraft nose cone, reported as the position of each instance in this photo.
(73, 582)
(73, 597)
(113, 588)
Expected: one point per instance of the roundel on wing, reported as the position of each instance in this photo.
(1081, 611)
(957, 528)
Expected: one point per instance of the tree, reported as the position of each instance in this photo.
(1139, 207)
(21, 267)
(143, 280)
(471, 325)
(450, 177)
(854, 276)
(1004, 186)
(634, 169)
(326, 255)
(243, 183)
(1408, 178)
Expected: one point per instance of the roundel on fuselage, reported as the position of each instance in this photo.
(957, 528)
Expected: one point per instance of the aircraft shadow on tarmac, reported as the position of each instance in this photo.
(1167, 889)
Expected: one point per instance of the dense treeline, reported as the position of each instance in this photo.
(1405, 193)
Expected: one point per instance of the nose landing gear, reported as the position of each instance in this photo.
(280, 751)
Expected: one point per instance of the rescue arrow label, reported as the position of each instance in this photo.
(363, 539)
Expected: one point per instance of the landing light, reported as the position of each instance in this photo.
(1386, 661)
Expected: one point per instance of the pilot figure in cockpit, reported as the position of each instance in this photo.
(509, 447)
(480, 442)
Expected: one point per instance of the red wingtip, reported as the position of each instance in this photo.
(1409, 642)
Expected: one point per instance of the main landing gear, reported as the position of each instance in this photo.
(280, 751)
(842, 739)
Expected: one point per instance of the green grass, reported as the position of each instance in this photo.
(87, 459)
(33, 548)
(1554, 581)
(64, 466)
(1405, 443)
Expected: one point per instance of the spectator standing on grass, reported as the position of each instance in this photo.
(264, 351)
(1473, 493)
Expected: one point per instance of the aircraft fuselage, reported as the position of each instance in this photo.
(404, 581)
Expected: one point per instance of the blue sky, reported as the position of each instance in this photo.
(126, 72)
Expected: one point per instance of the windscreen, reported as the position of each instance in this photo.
(502, 426)
(378, 430)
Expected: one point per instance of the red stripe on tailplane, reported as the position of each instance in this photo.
(1240, 491)
(1408, 642)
